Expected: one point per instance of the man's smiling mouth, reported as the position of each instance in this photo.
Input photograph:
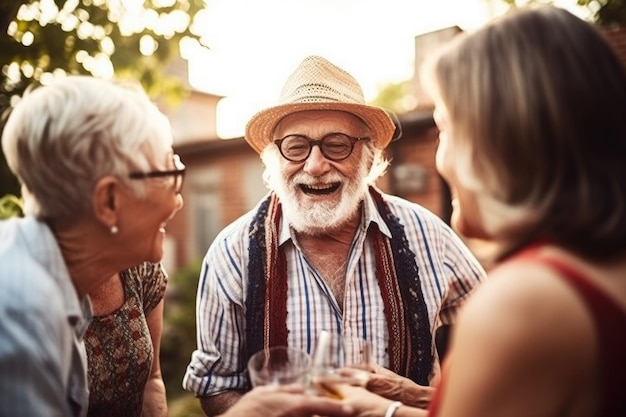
(320, 189)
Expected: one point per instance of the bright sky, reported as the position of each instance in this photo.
(255, 44)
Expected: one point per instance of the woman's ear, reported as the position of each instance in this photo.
(104, 199)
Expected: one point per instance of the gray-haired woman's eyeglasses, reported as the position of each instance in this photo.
(178, 174)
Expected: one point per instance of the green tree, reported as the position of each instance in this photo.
(606, 12)
(10, 206)
(394, 97)
(126, 38)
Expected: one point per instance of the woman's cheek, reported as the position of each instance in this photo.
(440, 159)
(444, 164)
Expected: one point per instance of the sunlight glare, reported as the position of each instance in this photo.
(99, 32)
(178, 20)
(100, 66)
(85, 30)
(12, 28)
(107, 45)
(150, 19)
(47, 78)
(27, 69)
(27, 12)
(164, 3)
(81, 56)
(188, 47)
(68, 22)
(27, 38)
(198, 26)
(70, 6)
(82, 14)
(252, 49)
(147, 45)
(12, 72)
(49, 12)
(38, 72)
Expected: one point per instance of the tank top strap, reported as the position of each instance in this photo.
(610, 322)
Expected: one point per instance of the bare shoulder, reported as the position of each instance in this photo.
(513, 345)
(526, 301)
(607, 275)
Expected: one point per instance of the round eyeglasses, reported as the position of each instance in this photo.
(334, 146)
(178, 174)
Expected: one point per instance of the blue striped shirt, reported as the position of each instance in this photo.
(43, 364)
(448, 272)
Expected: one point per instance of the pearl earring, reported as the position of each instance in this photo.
(114, 230)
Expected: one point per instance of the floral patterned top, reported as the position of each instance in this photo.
(119, 348)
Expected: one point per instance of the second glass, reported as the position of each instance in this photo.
(279, 365)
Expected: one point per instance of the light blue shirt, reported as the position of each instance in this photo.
(448, 273)
(43, 365)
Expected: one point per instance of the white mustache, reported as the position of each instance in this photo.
(302, 178)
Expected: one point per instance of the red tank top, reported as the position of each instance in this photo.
(610, 322)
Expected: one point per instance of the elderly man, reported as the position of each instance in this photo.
(326, 250)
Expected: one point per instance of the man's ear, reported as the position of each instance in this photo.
(105, 200)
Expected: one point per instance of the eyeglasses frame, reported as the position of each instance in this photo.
(318, 142)
(178, 172)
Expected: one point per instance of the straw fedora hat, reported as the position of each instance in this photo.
(317, 84)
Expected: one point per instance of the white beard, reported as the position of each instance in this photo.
(320, 217)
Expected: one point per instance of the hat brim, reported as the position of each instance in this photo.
(260, 128)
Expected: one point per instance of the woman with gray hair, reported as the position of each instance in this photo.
(100, 182)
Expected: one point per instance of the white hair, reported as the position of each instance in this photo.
(60, 139)
(270, 156)
(322, 217)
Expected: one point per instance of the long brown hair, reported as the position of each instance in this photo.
(539, 99)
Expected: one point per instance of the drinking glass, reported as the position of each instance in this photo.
(339, 359)
(279, 365)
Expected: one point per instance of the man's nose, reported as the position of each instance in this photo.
(316, 164)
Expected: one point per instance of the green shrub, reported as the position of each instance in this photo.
(10, 206)
(179, 329)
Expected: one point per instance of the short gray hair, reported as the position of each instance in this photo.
(60, 139)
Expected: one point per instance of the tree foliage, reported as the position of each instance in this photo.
(99, 37)
(179, 332)
(606, 12)
(40, 39)
(10, 206)
(394, 97)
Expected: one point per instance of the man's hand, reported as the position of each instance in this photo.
(395, 387)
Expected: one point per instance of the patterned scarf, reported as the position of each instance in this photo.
(410, 339)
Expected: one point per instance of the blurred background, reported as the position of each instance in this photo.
(211, 64)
